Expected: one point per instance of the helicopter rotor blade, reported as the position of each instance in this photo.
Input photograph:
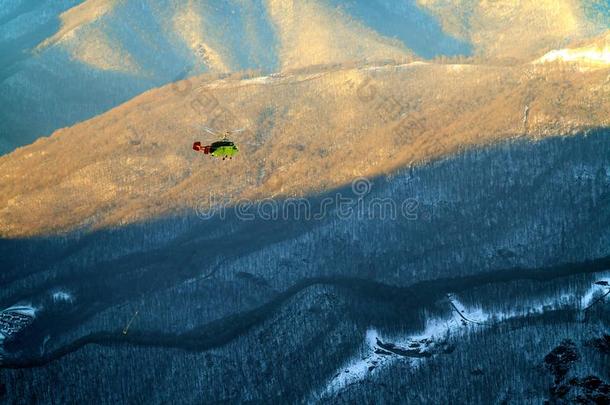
(254, 144)
(211, 131)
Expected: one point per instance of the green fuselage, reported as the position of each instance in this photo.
(223, 149)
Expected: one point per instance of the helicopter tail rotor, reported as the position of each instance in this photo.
(199, 148)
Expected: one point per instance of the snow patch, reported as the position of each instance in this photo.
(358, 368)
(599, 288)
(260, 80)
(378, 352)
(62, 296)
(12, 321)
(589, 55)
(27, 310)
(467, 316)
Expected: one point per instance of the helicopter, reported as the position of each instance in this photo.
(220, 149)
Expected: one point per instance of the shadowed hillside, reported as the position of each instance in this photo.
(227, 298)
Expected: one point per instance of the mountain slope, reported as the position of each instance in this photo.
(517, 30)
(69, 60)
(594, 54)
(307, 133)
(230, 299)
(100, 53)
(312, 34)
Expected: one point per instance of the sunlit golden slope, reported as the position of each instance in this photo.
(307, 133)
(309, 32)
(191, 27)
(313, 34)
(96, 33)
(86, 34)
(513, 30)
